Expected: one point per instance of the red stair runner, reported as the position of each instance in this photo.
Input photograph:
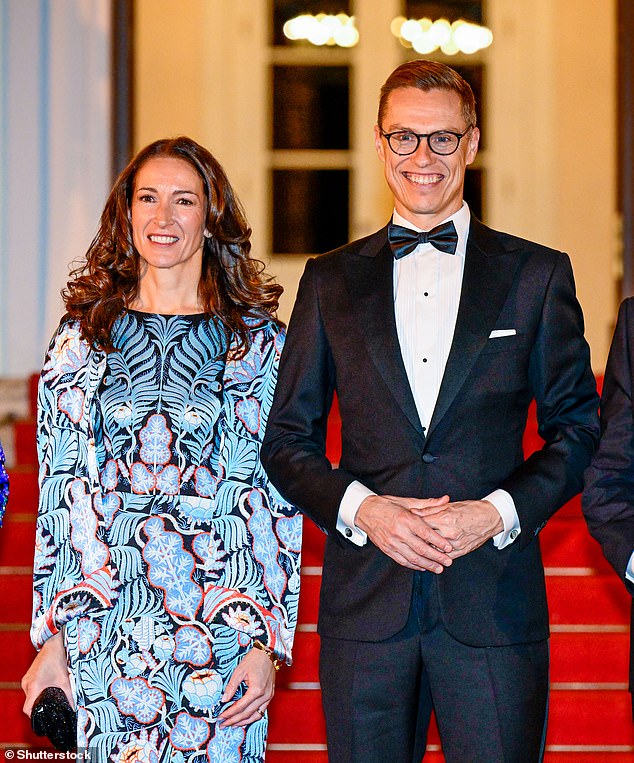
(590, 712)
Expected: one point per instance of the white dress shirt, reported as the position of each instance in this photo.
(427, 286)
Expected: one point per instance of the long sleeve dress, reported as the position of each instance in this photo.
(162, 548)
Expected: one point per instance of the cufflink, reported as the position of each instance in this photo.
(513, 534)
(348, 532)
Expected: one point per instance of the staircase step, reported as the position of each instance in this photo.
(16, 594)
(305, 667)
(587, 599)
(333, 433)
(25, 442)
(17, 540)
(294, 755)
(309, 598)
(566, 542)
(15, 727)
(17, 652)
(570, 509)
(296, 717)
(589, 657)
(23, 491)
(590, 717)
(313, 541)
(573, 755)
(576, 754)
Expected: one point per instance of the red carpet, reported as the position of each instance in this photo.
(590, 716)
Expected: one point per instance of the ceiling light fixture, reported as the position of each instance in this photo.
(426, 36)
(323, 29)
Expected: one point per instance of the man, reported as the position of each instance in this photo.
(435, 345)
(608, 496)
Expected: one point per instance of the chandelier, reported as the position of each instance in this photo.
(426, 36)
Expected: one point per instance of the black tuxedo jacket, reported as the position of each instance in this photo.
(342, 337)
(608, 497)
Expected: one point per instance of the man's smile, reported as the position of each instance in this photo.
(414, 177)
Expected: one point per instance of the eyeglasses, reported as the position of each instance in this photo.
(443, 142)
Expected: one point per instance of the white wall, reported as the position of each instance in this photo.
(552, 137)
(54, 161)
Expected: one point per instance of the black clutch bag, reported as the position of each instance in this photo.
(53, 717)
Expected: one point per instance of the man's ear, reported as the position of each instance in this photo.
(378, 143)
(472, 147)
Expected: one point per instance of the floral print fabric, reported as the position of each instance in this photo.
(161, 545)
(4, 485)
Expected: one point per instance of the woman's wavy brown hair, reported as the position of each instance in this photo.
(232, 286)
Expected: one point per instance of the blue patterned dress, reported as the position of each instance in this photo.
(4, 486)
(161, 547)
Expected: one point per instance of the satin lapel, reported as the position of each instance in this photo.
(488, 275)
(370, 281)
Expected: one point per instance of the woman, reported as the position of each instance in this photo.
(167, 567)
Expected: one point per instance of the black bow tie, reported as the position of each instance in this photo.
(404, 240)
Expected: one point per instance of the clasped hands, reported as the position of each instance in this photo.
(427, 533)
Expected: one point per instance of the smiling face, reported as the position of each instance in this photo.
(168, 213)
(427, 187)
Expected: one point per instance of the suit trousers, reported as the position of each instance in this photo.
(490, 702)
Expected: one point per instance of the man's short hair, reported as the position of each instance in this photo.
(429, 75)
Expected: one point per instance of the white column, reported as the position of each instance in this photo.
(54, 161)
(376, 55)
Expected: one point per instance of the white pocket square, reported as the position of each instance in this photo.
(502, 332)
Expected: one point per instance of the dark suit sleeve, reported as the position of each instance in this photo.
(294, 448)
(608, 497)
(566, 399)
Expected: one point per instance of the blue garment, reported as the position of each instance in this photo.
(4, 485)
(161, 545)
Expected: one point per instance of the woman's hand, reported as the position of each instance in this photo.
(258, 673)
(49, 668)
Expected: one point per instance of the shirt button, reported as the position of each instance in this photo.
(348, 532)
(424, 360)
(426, 293)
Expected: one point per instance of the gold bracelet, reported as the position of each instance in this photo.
(268, 652)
